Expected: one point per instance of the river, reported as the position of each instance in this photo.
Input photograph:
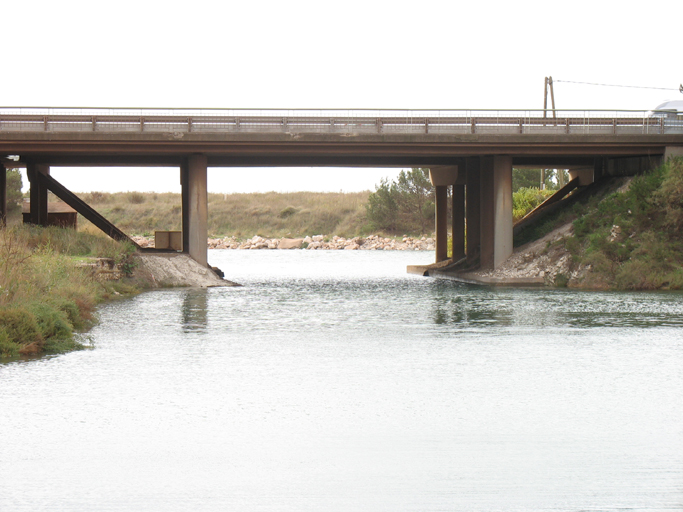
(335, 381)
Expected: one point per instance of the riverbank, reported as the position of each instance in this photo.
(49, 289)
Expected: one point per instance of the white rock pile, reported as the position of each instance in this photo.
(317, 242)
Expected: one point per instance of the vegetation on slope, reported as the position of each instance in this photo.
(45, 294)
(633, 239)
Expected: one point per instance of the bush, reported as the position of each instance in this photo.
(526, 199)
(19, 325)
(136, 198)
(403, 206)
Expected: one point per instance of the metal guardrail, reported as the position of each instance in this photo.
(356, 121)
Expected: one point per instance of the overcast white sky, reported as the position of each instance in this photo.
(351, 54)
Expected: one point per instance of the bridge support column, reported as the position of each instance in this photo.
(458, 222)
(473, 210)
(441, 223)
(496, 210)
(38, 193)
(193, 173)
(442, 178)
(3, 195)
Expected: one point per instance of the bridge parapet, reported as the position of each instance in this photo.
(350, 122)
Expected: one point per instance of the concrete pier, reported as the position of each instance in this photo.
(458, 222)
(442, 178)
(193, 179)
(38, 192)
(3, 195)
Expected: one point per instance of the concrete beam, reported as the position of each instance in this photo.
(38, 193)
(441, 223)
(193, 178)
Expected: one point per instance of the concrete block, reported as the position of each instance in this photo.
(172, 240)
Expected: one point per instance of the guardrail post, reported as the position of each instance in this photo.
(473, 125)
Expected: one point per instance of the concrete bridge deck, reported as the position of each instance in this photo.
(472, 151)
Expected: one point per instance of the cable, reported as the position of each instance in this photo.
(680, 89)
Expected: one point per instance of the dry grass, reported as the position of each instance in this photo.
(269, 214)
(45, 295)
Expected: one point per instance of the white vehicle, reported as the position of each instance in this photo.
(668, 109)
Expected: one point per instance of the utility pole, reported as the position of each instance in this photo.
(549, 85)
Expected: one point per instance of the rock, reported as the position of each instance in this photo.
(290, 243)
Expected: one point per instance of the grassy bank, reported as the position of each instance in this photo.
(46, 294)
(633, 239)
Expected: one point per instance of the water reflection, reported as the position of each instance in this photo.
(462, 306)
(194, 310)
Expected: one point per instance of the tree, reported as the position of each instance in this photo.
(531, 178)
(405, 205)
(14, 196)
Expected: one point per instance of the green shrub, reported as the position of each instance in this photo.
(20, 325)
(51, 322)
(7, 347)
(527, 199)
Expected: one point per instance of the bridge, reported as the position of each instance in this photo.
(470, 151)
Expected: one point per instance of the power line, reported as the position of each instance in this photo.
(680, 89)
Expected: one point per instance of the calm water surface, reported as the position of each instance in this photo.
(334, 381)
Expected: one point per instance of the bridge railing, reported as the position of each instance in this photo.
(339, 121)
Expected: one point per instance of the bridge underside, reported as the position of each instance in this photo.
(481, 194)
